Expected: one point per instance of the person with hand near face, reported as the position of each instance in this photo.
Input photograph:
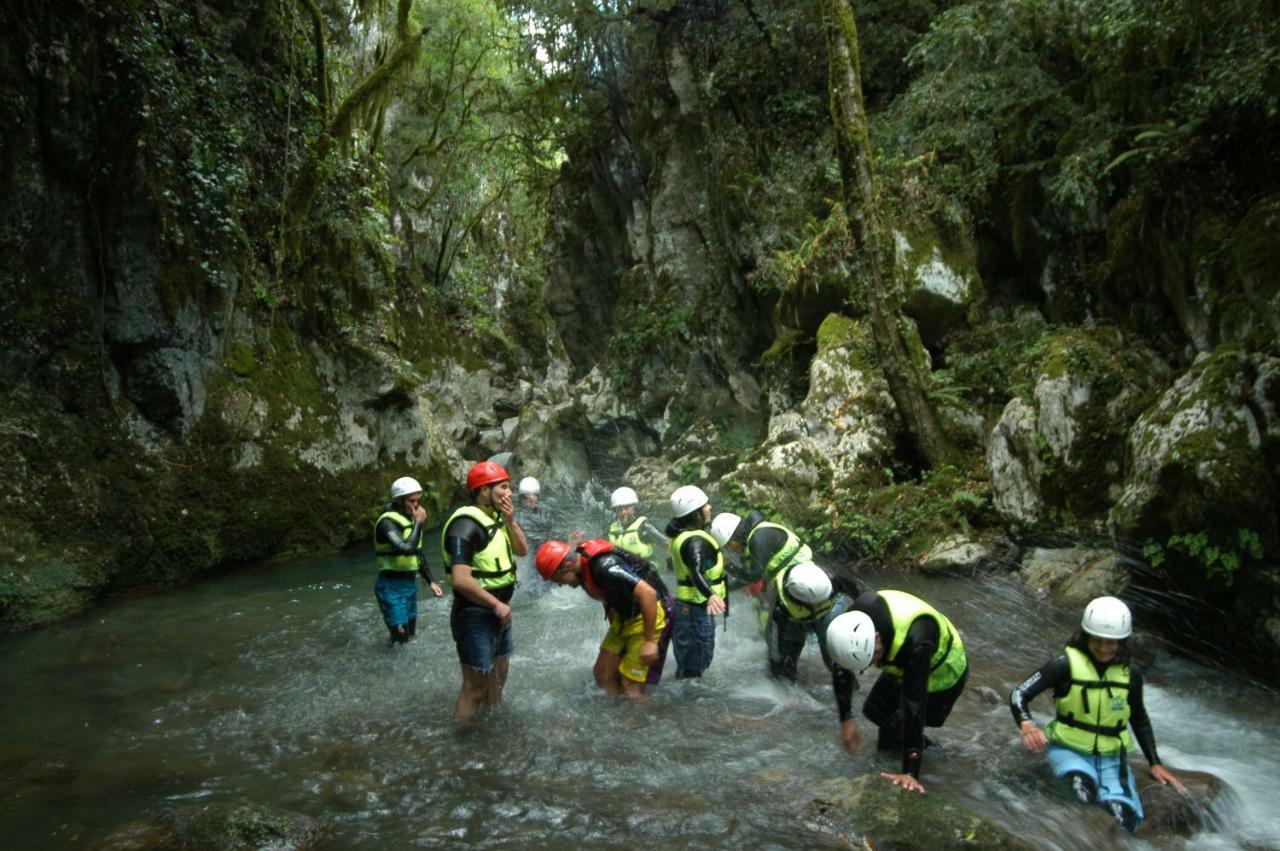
(1097, 692)
(480, 542)
(398, 537)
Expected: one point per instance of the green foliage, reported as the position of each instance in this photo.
(1218, 555)
(643, 330)
(895, 520)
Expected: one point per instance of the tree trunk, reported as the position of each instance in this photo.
(853, 147)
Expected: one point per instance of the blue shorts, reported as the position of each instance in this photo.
(1104, 771)
(480, 637)
(693, 639)
(397, 597)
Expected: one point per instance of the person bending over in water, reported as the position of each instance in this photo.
(1098, 695)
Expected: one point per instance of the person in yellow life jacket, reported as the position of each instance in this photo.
(804, 599)
(633, 531)
(700, 581)
(765, 548)
(1097, 692)
(924, 670)
(636, 602)
(399, 535)
(480, 542)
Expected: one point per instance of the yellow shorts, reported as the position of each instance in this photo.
(624, 639)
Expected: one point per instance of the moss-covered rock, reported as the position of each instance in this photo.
(1055, 455)
(867, 812)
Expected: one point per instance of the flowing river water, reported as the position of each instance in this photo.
(275, 684)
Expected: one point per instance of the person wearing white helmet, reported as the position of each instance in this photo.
(536, 521)
(765, 548)
(630, 530)
(398, 545)
(700, 581)
(923, 671)
(1097, 693)
(804, 599)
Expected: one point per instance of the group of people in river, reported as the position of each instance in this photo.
(923, 666)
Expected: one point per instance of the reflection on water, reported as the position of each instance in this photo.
(276, 684)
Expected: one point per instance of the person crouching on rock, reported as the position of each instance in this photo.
(635, 600)
(1097, 692)
(924, 672)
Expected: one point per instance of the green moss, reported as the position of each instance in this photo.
(241, 360)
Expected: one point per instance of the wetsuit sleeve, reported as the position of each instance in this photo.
(916, 654)
(650, 533)
(389, 531)
(462, 540)
(1055, 674)
(845, 585)
(699, 555)
(764, 546)
(1139, 720)
(842, 683)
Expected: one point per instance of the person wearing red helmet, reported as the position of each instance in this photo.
(480, 542)
(636, 602)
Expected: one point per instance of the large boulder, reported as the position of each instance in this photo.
(1075, 575)
(868, 812)
(940, 272)
(840, 437)
(1204, 456)
(1057, 452)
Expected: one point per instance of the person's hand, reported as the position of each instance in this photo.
(904, 781)
(1164, 776)
(715, 605)
(505, 505)
(419, 513)
(437, 590)
(850, 737)
(503, 611)
(649, 652)
(1033, 737)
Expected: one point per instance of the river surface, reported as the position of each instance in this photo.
(275, 684)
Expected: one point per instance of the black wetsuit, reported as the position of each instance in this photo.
(698, 553)
(903, 708)
(617, 574)
(462, 540)
(388, 531)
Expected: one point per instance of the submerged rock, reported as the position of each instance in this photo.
(218, 827)
(1204, 806)
(868, 812)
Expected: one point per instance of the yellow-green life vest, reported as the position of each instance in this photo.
(1093, 716)
(791, 552)
(686, 591)
(494, 566)
(948, 663)
(389, 558)
(629, 538)
(799, 611)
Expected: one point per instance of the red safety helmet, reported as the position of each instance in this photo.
(486, 473)
(550, 556)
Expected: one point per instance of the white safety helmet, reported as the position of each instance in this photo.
(687, 499)
(723, 527)
(1107, 617)
(808, 583)
(623, 496)
(851, 641)
(529, 486)
(404, 486)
